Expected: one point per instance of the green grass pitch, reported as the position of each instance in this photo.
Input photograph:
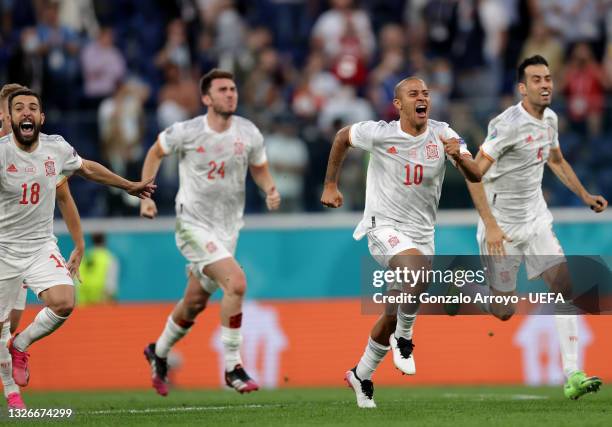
(422, 406)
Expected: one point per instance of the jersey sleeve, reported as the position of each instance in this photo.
(363, 135)
(171, 139)
(555, 129)
(61, 179)
(71, 159)
(257, 153)
(500, 137)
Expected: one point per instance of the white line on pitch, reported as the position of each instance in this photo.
(177, 409)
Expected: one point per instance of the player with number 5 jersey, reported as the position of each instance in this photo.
(404, 181)
(215, 151)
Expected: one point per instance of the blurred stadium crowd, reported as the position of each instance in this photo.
(113, 73)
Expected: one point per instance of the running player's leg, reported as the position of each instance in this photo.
(183, 316)
(178, 324)
(49, 278)
(230, 277)
(17, 312)
(10, 283)
(554, 270)
(501, 273)
(401, 340)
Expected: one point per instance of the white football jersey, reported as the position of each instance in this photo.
(519, 144)
(405, 175)
(212, 170)
(27, 191)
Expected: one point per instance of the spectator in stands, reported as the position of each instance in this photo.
(345, 35)
(584, 83)
(25, 65)
(59, 46)
(121, 121)
(79, 16)
(176, 48)
(332, 26)
(542, 42)
(99, 273)
(103, 68)
(288, 160)
(264, 89)
(315, 86)
(228, 26)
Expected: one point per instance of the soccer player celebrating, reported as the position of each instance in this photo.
(30, 163)
(514, 219)
(215, 151)
(72, 219)
(404, 181)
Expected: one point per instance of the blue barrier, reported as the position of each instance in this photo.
(293, 263)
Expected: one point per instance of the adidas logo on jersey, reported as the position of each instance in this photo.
(392, 150)
(200, 149)
(12, 168)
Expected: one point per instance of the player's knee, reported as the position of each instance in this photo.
(62, 307)
(236, 284)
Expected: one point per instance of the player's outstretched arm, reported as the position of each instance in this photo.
(71, 217)
(263, 178)
(567, 176)
(94, 171)
(332, 197)
(153, 159)
(494, 235)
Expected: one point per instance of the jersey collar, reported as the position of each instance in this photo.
(540, 123)
(410, 137)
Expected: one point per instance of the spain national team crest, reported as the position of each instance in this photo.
(393, 241)
(50, 167)
(211, 247)
(238, 148)
(431, 151)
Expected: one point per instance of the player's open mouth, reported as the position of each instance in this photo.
(545, 93)
(421, 111)
(26, 127)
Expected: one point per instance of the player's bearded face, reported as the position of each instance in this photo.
(26, 119)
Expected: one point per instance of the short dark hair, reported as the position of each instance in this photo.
(23, 92)
(215, 73)
(532, 60)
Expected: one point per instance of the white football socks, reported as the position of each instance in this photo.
(6, 371)
(372, 356)
(405, 324)
(231, 339)
(45, 322)
(169, 336)
(567, 328)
